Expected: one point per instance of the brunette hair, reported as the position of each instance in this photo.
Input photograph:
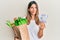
(28, 17)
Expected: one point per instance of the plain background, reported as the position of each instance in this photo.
(14, 8)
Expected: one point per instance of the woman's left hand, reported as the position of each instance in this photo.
(42, 25)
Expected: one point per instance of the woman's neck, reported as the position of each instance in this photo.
(32, 17)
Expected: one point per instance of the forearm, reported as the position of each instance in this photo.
(41, 28)
(40, 33)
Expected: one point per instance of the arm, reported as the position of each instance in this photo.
(40, 33)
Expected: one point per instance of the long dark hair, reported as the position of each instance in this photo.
(29, 14)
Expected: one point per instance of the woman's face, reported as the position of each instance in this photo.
(33, 9)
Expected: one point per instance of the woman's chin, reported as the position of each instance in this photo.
(33, 13)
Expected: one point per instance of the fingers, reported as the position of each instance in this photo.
(42, 26)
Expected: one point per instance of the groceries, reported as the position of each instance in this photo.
(17, 22)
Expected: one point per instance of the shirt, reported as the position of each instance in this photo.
(33, 29)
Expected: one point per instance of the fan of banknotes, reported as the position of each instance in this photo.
(43, 18)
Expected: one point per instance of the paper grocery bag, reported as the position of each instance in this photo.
(23, 32)
(17, 35)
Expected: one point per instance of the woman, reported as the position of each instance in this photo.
(33, 30)
(35, 26)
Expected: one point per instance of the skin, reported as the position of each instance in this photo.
(41, 25)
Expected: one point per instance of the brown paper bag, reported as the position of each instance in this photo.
(17, 35)
(21, 32)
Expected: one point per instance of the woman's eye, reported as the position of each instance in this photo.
(34, 7)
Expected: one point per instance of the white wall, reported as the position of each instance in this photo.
(14, 8)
